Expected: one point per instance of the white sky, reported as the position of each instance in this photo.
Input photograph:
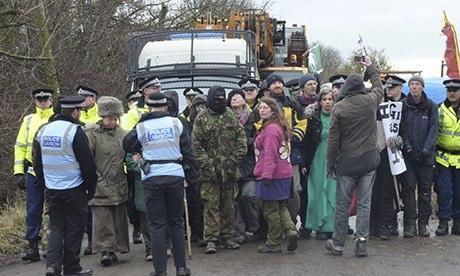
(408, 30)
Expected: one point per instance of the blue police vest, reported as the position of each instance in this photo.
(60, 167)
(160, 139)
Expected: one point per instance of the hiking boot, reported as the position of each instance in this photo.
(304, 233)
(385, 233)
(443, 228)
(291, 241)
(350, 230)
(229, 244)
(106, 259)
(148, 257)
(210, 248)
(137, 237)
(423, 231)
(183, 271)
(162, 273)
(31, 252)
(333, 249)
(52, 271)
(456, 227)
(239, 239)
(394, 231)
(361, 247)
(410, 231)
(266, 248)
(88, 250)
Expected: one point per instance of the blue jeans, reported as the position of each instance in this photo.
(165, 205)
(34, 205)
(448, 190)
(345, 186)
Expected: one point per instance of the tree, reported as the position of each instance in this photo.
(377, 55)
(332, 59)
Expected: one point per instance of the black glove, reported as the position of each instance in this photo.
(21, 182)
(266, 182)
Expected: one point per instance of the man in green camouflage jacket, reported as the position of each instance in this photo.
(220, 144)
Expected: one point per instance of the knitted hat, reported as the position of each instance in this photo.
(304, 79)
(233, 93)
(417, 78)
(272, 78)
(109, 106)
(199, 99)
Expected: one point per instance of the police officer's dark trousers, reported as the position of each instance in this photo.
(448, 190)
(165, 205)
(67, 212)
(35, 200)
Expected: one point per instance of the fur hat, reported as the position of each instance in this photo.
(109, 106)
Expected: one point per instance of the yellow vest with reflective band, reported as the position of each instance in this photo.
(90, 115)
(448, 137)
(299, 127)
(132, 117)
(23, 147)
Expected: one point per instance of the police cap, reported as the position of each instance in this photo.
(86, 91)
(157, 100)
(133, 95)
(452, 83)
(192, 91)
(71, 102)
(248, 84)
(152, 81)
(42, 93)
(392, 81)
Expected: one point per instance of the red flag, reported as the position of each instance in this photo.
(451, 55)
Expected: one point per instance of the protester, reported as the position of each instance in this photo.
(198, 105)
(163, 177)
(247, 211)
(337, 82)
(273, 173)
(24, 173)
(220, 144)
(321, 189)
(419, 126)
(110, 219)
(448, 160)
(353, 155)
(64, 163)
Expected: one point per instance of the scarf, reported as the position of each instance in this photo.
(306, 100)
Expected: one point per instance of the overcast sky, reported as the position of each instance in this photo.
(408, 30)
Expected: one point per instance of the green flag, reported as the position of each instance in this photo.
(315, 63)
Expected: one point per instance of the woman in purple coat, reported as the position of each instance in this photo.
(273, 172)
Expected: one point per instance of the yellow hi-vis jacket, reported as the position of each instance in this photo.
(23, 147)
(132, 117)
(90, 115)
(448, 151)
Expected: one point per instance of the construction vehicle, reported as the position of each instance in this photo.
(220, 51)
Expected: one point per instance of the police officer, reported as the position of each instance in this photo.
(337, 82)
(65, 164)
(89, 112)
(251, 91)
(23, 166)
(189, 94)
(132, 98)
(148, 86)
(166, 152)
(448, 160)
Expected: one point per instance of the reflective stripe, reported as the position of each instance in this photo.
(19, 144)
(54, 167)
(449, 133)
(441, 118)
(19, 162)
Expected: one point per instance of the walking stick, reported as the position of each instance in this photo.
(187, 226)
(398, 197)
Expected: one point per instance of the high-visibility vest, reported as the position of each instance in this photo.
(23, 146)
(90, 116)
(448, 152)
(160, 140)
(130, 119)
(61, 169)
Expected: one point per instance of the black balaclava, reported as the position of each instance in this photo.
(216, 99)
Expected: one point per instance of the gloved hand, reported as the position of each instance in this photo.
(21, 182)
(266, 182)
(395, 142)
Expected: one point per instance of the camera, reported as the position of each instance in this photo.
(359, 58)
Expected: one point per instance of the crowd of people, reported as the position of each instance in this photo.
(253, 164)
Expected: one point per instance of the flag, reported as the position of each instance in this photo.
(315, 63)
(451, 55)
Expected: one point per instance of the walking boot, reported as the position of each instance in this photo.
(183, 271)
(332, 248)
(410, 231)
(137, 237)
(210, 248)
(394, 230)
(52, 271)
(229, 244)
(384, 233)
(266, 248)
(443, 228)
(106, 259)
(361, 247)
(423, 231)
(89, 249)
(31, 252)
(350, 230)
(292, 241)
(82, 272)
(456, 227)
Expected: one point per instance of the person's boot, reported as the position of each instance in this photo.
(266, 248)
(423, 231)
(82, 272)
(385, 233)
(291, 241)
(350, 230)
(456, 227)
(137, 236)
(31, 252)
(410, 230)
(52, 271)
(443, 228)
(304, 233)
(394, 230)
(361, 247)
(183, 271)
(106, 259)
(229, 244)
(210, 248)
(332, 248)
(89, 249)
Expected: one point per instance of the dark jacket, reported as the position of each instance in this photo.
(352, 143)
(131, 144)
(419, 129)
(83, 154)
(248, 162)
(312, 137)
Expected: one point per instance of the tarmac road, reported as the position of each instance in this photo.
(416, 256)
